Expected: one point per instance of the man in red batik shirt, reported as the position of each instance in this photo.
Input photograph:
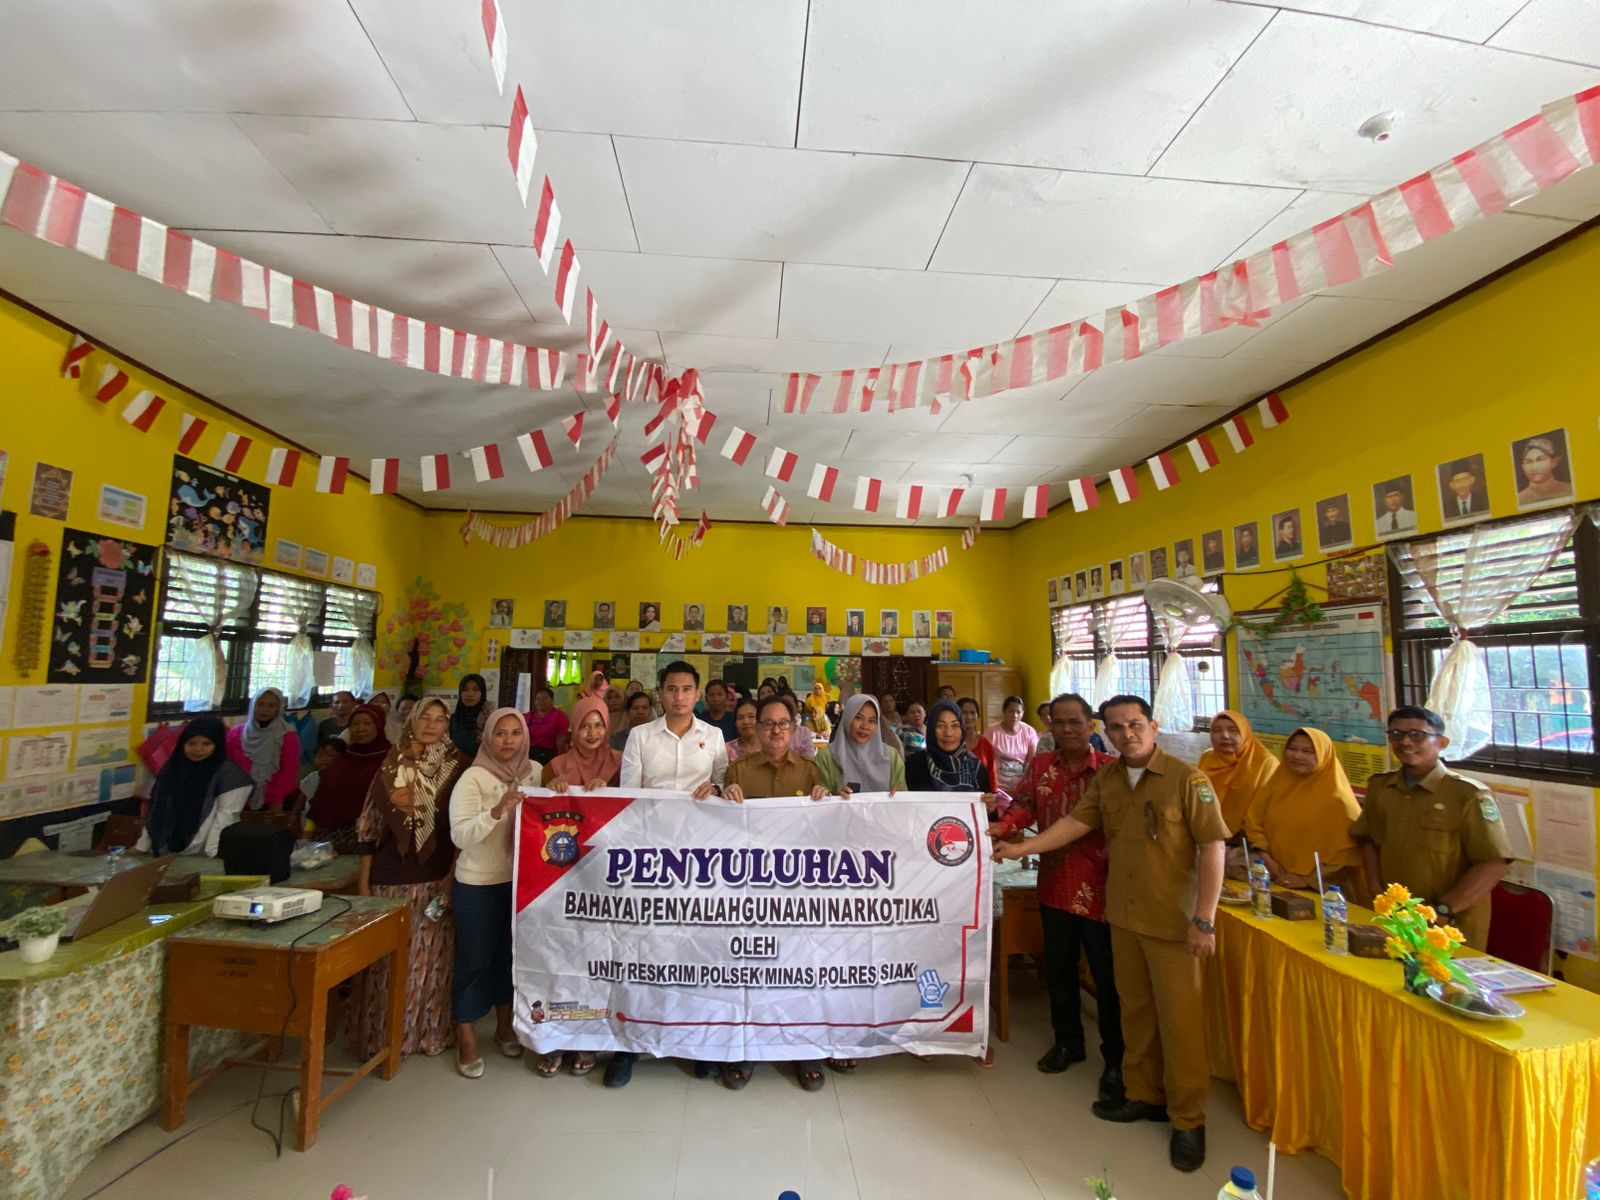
(1072, 892)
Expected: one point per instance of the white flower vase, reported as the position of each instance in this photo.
(38, 950)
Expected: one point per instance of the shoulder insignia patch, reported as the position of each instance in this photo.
(1204, 793)
(1487, 806)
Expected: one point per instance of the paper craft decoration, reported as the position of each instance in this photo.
(344, 570)
(316, 563)
(213, 513)
(758, 643)
(105, 599)
(836, 645)
(287, 554)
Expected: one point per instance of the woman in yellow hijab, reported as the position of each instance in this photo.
(1305, 809)
(817, 709)
(1236, 764)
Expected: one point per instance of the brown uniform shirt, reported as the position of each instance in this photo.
(758, 778)
(1153, 832)
(1429, 835)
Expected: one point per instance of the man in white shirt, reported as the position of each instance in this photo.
(677, 752)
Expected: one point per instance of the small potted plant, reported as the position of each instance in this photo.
(1424, 950)
(37, 931)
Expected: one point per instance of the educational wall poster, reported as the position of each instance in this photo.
(366, 575)
(287, 554)
(525, 639)
(39, 706)
(52, 492)
(104, 704)
(1574, 895)
(770, 931)
(716, 643)
(105, 603)
(675, 643)
(121, 507)
(38, 753)
(316, 562)
(344, 570)
(1563, 820)
(212, 512)
(104, 747)
(835, 645)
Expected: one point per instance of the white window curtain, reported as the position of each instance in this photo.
(1174, 703)
(1109, 669)
(1470, 578)
(356, 611)
(302, 606)
(218, 594)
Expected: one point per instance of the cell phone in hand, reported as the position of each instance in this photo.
(854, 787)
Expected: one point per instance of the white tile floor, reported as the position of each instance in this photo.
(897, 1128)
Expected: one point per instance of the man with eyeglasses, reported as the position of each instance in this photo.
(1164, 847)
(1432, 830)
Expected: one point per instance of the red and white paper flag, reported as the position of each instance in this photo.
(72, 364)
(776, 506)
(781, 464)
(613, 408)
(738, 445)
(993, 507)
(1036, 499)
(599, 328)
(1272, 408)
(547, 226)
(797, 396)
(142, 411)
(908, 504)
(1203, 453)
(112, 380)
(282, 466)
(435, 472)
(230, 455)
(486, 462)
(535, 450)
(522, 146)
(331, 473)
(385, 477)
(189, 433)
(494, 34)
(868, 493)
(549, 369)
(1238, 432)
(567, 272)
(1124, 485)
(573, 425)
(969, 536)
(823, 480)
(951, 501)
(1163, 470)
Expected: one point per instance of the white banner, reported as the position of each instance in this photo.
(771, 930)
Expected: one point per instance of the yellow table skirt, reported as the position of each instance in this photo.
(1333, 1055)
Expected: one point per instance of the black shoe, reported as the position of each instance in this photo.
(735, 1076)
(705, 1070)
(1188, 1152)
(620, 1069)
(1111, 1085)
(1126, 1111)
(1058, 1058)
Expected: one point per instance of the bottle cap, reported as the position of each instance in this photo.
(1243, 1178)
(1333, 890)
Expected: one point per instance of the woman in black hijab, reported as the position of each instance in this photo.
(472, 709)
(199, 793)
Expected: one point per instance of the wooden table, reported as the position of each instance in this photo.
(273, 980)
(1017, 930)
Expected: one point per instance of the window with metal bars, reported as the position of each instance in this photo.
(1542, 653)
(201, 595)
(1082, 634)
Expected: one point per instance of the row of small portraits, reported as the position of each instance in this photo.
(925, 622)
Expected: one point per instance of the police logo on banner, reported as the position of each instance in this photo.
(950, 841)
(560, 845)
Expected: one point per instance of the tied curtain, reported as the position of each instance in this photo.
(1468, 580)
(1108, 669)
(301, 606)
(1174, 702)
(216, 595)
(358, 611)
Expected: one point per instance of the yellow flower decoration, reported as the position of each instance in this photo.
(1397, 893)
(1455, 935)
(1427, 913)
(1394, 947)
(1382, 905)
(1436, 969)
(1438, 939)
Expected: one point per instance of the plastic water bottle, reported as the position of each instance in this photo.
(1335, 921)
(1591, 1181)
(1260, 890)
(1241, 1185)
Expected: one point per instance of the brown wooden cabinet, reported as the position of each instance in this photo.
(988, 685)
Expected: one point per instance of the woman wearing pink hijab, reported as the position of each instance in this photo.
(591, 763)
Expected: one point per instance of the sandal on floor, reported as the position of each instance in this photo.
(510, 1047)
(550, 1064)
(811, 1079)
(735, 1077)
(986, 1059)
(843, 1065)
(582, 1062)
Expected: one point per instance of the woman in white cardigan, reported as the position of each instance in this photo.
(481, 810)
(199, 792)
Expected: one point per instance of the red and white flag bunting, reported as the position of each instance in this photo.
(951, 501)
(573, 425)
(868, 492)
(512, 536)
(435, 472)
(112, 380)
(781, 464)
(1036, 499)
(1123, 485)
(494, 34)
(522, 146)
(1203, 453)
(230, 455)
(535, 450)
(72, 363)
(384, 478)
(843, 561)
(1238, 432)
(486, 463)
(282, 466)
(190, 431)
(1163, 470)
(777, 508)
(823, 480)
(1271, 407)
(908, 505)
(993, 507)
(738, 445)
(141, 412)
(567, 272)
(969, 535)
(331, 473)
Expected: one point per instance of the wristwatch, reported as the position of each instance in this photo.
(1203, 925)
(1444, 912)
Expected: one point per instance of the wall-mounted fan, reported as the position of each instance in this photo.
(1179, 606)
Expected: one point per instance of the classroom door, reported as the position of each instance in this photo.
(515, 663)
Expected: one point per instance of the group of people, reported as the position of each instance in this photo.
(1133, 845)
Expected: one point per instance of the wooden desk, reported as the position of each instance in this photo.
(273, 980)
(1018, 930)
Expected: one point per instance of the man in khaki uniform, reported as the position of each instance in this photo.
(1431, 830)
(1164, 839)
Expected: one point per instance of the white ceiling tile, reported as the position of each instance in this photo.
(1084, 299)
(709, 353)
(798, 205)
(158, 337)
(841, 304)
(219, 178)
(1443, 267)
(1567, 29)
(1040, 409)
(654, 291)
(1307, 209)
(924, 447)
(442, 182)
(1025, 221)
(1108, 395)
(41, 273)
(304, 57)
(1034, 82)
(1470, 20)
(1056, 452)
(1323, 327)
(1339, 74)
(1163, 424)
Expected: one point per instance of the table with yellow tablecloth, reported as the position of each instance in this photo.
(1333, 1055)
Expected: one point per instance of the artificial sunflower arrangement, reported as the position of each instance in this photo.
(1422, 948)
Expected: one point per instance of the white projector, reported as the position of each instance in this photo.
(267, 904)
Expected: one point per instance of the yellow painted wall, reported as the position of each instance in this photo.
(54, 420)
